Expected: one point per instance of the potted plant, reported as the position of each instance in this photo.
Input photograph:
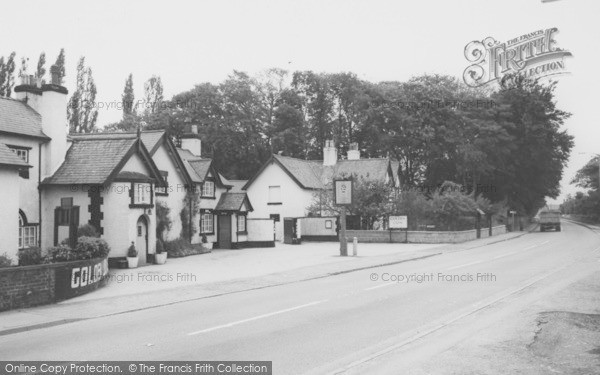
(205, 243)
(161, 253)
(132, 256)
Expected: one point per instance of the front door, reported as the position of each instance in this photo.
(224, 232)
(141, 243)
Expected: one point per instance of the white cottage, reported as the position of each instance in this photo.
(286, 187)
(109, 182)
(33, 127)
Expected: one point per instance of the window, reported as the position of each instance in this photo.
(28, 234)
(208, 189)
(142, 193)
(163, 190)
(241, 223)
(23, 154)
(206, 222)
(328, 224)
(274, 194)
(276, 218)
(64, 216)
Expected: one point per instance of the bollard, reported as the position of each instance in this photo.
(355, 246)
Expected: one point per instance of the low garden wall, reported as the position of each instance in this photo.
(41, 284)
(260, 233)
(382, 236)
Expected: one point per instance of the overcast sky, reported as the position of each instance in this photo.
(189, 42)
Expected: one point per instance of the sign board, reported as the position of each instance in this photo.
(342, 192)
(399, 222)
(80, 277)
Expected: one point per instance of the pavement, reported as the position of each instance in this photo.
(222, 272)
(396, 318)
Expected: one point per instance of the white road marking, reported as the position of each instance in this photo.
(256, 318)
(497, 257)
(380, 286)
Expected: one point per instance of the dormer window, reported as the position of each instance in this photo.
(23, 154)
(208, 189)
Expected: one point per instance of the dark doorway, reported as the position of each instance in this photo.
(224, 232)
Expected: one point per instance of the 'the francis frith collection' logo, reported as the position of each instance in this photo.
(533, 55)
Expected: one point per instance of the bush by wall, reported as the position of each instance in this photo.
(30, 256)
(181, 248)
(87, 248)
(5, 260)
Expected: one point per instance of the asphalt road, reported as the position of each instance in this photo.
(345, 323)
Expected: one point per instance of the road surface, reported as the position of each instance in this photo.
(359, 322)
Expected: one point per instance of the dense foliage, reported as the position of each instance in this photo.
(585, 206)
(505, 144)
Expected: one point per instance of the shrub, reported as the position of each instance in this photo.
(159, 247)
(87, 248)
(61, 253)
(30, 256)
(182, 247)
(5, 260)
(132, 252)
(92, 247)
(163, 219)
(87, 230)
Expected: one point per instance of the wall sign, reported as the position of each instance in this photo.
(80, 278)
(398, 222)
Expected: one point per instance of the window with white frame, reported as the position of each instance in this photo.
(206, 222)
(142, 193)
(28, 234)
(208, 189)
(241, 223)
(23, 154)
(274, 194)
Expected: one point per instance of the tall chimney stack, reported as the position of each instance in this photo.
(191, 141)
(353, 152)
(329, 154)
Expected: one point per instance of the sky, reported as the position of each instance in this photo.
(190, 42)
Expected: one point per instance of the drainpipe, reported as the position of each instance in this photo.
(39, 195)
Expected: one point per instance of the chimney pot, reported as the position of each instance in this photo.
(353, 151)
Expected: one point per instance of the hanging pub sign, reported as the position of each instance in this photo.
(342, 192)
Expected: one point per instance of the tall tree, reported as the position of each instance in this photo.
(7, 79)
(60, 64)
(82, 111)
(153, 95)
(41, 69)
(128, 98)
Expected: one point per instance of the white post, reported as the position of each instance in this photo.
(355, 246)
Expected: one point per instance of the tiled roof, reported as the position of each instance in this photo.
(91, 161)
(149, 137)
(9, 158)
(369, 169)
(200, 168)
(311, 174)
(186, 154)
(307, 172)
(231, 202)
(236, 185)
(18, 118)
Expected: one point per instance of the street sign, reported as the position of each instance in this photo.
(342, 192)
(398, 222)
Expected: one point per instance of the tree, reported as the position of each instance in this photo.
(153, 95)
(7, 79)
(41, 70)
(24, 69)
(82, 111)
(128, 97)
(60, 65)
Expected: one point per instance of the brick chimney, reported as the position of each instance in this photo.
(329, 153)
(191, 140)
(353, 152)
(50, 101)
